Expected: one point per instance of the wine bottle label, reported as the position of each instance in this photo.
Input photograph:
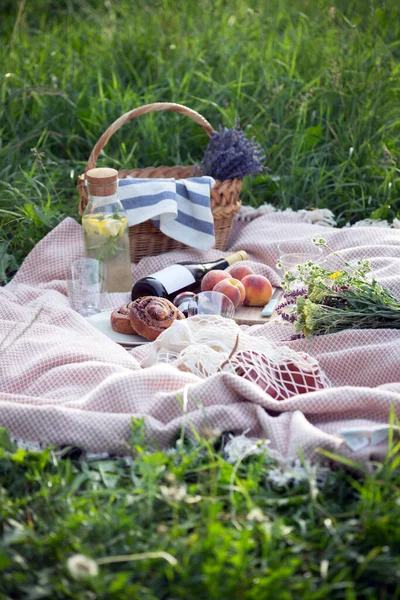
(174, 278)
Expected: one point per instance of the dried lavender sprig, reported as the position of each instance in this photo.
(296, 293)
(288, 317)
(290, 302)
(297, 336)
(230, 154)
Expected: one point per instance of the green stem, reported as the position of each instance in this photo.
(340, 257)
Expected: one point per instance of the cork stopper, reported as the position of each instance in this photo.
(236, 257)
(102, 181)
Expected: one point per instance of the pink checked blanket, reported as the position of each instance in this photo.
(63, 383)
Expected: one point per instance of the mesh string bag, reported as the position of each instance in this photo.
(206, 345)
(294, 373)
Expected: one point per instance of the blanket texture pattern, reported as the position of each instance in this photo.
(63, 383)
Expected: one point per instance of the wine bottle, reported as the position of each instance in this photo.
(183, 276)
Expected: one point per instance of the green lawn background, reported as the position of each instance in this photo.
(317, 84)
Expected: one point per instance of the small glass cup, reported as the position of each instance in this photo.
(211, 303)
(86, 286)
(183, 300)
(290, 259)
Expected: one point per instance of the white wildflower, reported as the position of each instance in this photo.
(162, 529)
(82, 567)
(256, 515)
(240, 446)
(319, 241)
(284, 530)
(193, 499)
(330, 527)
(351, 151)
(295, 473)
(323, 569)
(231, 20)
(174, 493)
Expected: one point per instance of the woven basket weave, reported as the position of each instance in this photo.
(145, 239)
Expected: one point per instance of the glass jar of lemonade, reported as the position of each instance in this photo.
(105, 229)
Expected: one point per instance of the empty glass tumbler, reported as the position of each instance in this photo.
(86, 286)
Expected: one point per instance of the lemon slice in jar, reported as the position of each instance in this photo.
(108, 227)
(111, 227)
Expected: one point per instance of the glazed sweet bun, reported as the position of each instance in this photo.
(151, 315)
(120, 319)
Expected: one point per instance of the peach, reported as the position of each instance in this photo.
(240, 271)
(233, 289)
(258, 290)
(211, 279)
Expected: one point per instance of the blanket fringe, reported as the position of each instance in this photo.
(319, 216)
(376, 223)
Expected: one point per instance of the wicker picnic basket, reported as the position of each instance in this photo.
(145, 239)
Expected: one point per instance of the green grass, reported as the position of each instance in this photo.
(231, 534)
(309, 79)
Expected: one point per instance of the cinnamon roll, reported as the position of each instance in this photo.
(120, 320)
(151, 315)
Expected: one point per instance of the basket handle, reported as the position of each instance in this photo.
(137, 112)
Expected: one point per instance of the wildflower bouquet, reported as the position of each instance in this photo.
(230, 154)
(333, 301)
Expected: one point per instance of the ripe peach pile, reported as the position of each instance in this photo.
(241, 285)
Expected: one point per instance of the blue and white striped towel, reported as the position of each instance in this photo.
(180, 208)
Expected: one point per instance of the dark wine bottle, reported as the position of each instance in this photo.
(183, 276)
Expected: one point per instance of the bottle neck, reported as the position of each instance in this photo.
(223, 263)
(98, 202)
(236, 257)
(220, 264)
(102, 194)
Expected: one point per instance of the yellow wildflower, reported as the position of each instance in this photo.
(335, 275)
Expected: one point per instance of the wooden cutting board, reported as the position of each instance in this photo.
(251, 315)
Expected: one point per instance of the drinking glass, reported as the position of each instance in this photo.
(290, 259)
(86, 286)
(211, 303)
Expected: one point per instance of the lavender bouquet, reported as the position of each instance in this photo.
(230, 154)
(333, 301)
